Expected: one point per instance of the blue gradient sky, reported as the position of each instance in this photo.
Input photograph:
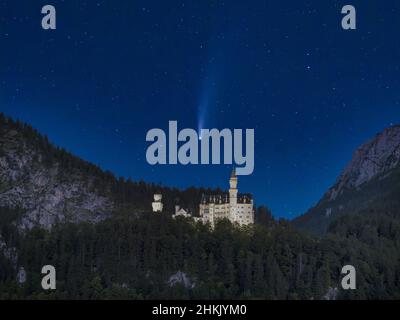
(115, 69)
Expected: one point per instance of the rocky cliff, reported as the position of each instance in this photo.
(35, 177)
(377, 157)
(371, 181)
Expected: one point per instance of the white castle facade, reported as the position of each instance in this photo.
(233, 206)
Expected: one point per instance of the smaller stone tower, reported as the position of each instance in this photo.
(157, 203)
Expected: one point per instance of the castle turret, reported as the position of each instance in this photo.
(157, 203)
(233, 187)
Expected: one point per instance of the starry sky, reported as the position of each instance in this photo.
(115, 69)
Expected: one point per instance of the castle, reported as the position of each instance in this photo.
(237, 208)
(232, 206)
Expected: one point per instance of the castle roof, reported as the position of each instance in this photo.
(223, 198)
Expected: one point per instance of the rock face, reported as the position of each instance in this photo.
(44, 190)
(371, 181)
(181, 278)
(376, 157)
(331, 294)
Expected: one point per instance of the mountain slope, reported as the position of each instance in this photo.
(46, 183)
(371, 181)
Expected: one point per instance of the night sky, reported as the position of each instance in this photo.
(115, 69)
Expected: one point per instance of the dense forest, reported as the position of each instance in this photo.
(136, 257)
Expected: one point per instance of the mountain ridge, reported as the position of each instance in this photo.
(371, 176)
(52, 185)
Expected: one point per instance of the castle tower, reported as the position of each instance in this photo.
(157, 204)
(233, 191)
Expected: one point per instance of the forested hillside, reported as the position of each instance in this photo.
(154, 256)
(119, 249)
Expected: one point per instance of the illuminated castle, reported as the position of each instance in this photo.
(238, 208)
